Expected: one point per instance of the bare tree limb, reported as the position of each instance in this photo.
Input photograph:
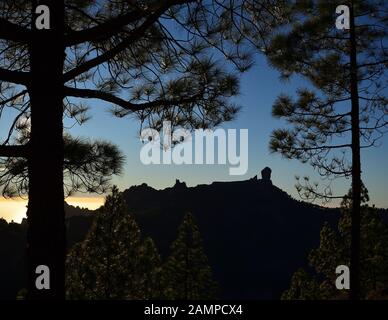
(16, 77)
(134, 35)
(13, 32)
(10, 99)
(115, 25)
(14, 151)
(324, 147)
(102, 31)
(108, 97)
(372, 64)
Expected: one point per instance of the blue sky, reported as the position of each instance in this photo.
(259, 88)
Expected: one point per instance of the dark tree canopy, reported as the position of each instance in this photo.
(88, 167)
(334, 250)
(346, 109)
(150, 60)
(319, 117)
(113, 262)
(187, 271)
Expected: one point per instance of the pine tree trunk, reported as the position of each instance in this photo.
(356, 168)
(46, 243)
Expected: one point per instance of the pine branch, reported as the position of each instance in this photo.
(14, 151)
(103, 31)
(5, 101)
(115, 25)
(16, 77)
(13, 32)
(108, 97)
(371, 64)
(324, 147)
(134, 35)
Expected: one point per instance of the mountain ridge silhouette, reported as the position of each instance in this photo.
(255, 234)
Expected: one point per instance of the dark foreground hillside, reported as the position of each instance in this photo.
(255, 234)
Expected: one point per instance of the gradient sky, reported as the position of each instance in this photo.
(259, 88)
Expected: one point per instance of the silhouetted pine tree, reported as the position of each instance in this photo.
(346, 110)
(156, 71)
(112, 262)
(334, 250)
(151, 270)
(188, 274)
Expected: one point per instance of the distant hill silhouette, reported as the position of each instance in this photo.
(255, 234)
(72, 211)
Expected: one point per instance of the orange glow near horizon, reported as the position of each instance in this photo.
(15, 209)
